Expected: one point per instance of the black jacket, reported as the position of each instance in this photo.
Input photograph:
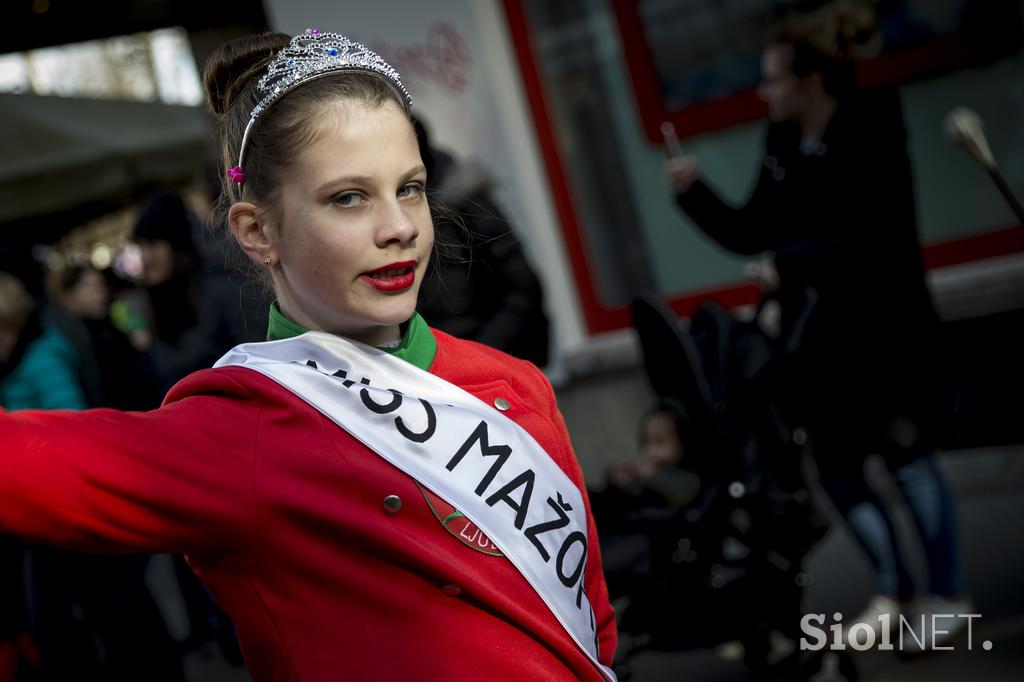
(840, 219)
(479, 285)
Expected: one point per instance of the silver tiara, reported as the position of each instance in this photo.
(309, 56)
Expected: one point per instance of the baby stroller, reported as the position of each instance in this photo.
(729, 564)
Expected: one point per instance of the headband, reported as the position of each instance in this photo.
(307, 57)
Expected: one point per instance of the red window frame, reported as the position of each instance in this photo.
(943, 54)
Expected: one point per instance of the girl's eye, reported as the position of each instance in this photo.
(349, 199)
(413, 189)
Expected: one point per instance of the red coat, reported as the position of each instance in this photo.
(282, 515)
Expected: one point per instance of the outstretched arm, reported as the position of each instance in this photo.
(177, 479)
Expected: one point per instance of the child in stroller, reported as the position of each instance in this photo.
(704, 534)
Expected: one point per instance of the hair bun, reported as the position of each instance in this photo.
(843, 31)
(237, 65)
(856, 30)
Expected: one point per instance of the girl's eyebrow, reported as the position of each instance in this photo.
(365, 179)
(344, 180)
(414, 171)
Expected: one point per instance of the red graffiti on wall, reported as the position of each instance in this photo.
(444, 59)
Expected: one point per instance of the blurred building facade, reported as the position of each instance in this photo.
(561, 102)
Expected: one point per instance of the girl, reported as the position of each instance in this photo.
(368, 498)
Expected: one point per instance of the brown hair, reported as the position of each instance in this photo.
(62, 280)
(282, 130)
(830, 41)
(15, 302)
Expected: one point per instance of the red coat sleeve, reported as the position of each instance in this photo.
(597, 588)
(177, 479)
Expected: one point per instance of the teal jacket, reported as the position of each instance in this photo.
(45, 378)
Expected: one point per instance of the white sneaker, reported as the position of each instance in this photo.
(938, 620)
(879, 608)
(730, 651)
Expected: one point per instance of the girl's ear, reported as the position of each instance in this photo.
(252, 232)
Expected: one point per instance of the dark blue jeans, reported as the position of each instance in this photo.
(931, 506)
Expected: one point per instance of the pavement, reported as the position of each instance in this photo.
(988, 485)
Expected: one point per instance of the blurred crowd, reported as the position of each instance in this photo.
(98, 340)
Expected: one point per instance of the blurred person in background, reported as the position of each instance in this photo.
(17, 330)
(111, 592)
(194, 314)
(39, 365)
(834, 200)
(91, 616)
(18, 656)
(480, 285)
(660, 474)
(638, 514)
(112, 372)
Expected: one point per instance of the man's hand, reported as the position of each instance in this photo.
(681, 172)
(763, 272)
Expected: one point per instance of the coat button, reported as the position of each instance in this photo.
(452, 590)
(392, 503)
(501, 404)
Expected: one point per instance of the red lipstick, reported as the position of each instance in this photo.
(392, 278)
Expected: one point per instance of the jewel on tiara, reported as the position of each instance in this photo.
(311, 55)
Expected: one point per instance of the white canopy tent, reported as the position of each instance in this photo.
(57, 153)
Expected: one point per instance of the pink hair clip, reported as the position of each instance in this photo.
(237, 175)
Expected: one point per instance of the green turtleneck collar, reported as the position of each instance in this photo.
(418, 345)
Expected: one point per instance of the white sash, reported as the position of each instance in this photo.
(475, 458)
